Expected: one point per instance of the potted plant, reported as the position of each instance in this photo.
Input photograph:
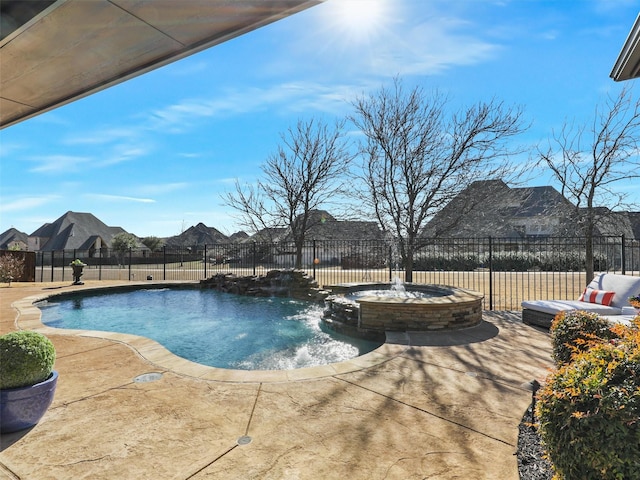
(77, 265)
(635, 302)
(27, 379)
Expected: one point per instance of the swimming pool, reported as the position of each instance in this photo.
(211, 328)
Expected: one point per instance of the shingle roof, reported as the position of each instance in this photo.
(491, 207)
(11, 237)
(198, 235)
(324, 226)
(75, 230)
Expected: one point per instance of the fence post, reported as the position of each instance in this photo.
(490, 273)
(390, 263)
(129, 263)
(63, 262)
(254, 258)
(315, 256)
(164, 262)
(53, 255)
(205, 260)
(623, 256)
(41, 255)
(100, 265)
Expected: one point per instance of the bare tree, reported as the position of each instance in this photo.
(416, 158)
(588, 159)
(304, 174)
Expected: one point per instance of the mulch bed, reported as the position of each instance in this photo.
(532, 464)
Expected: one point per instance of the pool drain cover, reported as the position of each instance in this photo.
(244, 440)
(148, 377)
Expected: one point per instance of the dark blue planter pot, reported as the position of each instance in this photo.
(23, 407)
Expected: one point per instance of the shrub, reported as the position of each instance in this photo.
(589, 412)
(575, 331)
(26, 358)
(11, 268)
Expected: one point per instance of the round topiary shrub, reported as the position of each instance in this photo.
(574, 331)
(589, 413)
(26, 358)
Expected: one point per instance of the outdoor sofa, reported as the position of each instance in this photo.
(607, 295)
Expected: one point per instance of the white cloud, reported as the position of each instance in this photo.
(101, 136)
(124, 153)
(26, 203)
(61, 164)
(162, 188)
(430, 48)
(118, 198)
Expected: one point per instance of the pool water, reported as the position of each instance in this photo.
(212, 328)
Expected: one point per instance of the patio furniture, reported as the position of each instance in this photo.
(606, 295)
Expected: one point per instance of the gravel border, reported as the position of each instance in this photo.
(532, 464)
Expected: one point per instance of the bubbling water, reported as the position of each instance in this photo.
(395, 290)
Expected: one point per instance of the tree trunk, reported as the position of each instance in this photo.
(589, 257)
(408, 266)
(299, 246)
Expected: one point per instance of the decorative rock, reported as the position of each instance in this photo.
(276, 283)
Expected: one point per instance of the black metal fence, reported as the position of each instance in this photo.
(506, 270)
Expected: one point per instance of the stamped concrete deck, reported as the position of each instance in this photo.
(430, 405)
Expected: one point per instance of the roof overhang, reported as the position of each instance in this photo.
(627, 65)
(57, 51)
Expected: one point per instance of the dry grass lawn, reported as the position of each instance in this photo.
(509, 288)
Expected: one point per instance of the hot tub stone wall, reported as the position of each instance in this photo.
(460, 308)
(450, 316)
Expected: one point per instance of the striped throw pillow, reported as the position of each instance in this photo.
(601, 297)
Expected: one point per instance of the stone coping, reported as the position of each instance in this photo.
(29, 317)
(452, 294)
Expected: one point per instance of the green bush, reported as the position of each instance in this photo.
(589, 413)
(574, 331)
(26, 358)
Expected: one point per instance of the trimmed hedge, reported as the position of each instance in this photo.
(575, 331)
(589, 411)
(26, 358)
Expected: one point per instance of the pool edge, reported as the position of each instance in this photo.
(29, 317)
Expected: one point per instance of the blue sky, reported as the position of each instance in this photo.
(154, 154)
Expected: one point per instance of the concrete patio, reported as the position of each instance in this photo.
(428, 405)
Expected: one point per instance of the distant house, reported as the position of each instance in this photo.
(73, 231)
(338, 241)
(492, 208)
(197, 236)
(14, 239)
(610, 223)
(238, 237)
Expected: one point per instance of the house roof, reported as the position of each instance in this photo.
(75, 230)
(274, 234)
(11, 237)
(345, 230)
(491, 207)
(610, 223)
(198, 235)
(324, 226)
(53, 52)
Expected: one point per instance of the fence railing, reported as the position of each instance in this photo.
(506, 270)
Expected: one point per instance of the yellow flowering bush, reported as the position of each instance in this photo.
(574, 331)
(589, 410)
